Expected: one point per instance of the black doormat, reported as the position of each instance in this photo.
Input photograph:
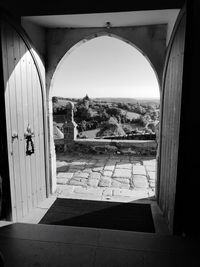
(100, 214)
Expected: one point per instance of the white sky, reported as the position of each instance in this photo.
(105, 67)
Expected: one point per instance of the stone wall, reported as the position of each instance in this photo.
(100, 146)
(146, 136)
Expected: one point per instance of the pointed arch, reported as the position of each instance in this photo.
(56, 70)
(93, 36)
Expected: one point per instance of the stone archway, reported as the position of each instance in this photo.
(150, 40)
(151, 33)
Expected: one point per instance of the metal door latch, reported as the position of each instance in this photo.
(29, 142)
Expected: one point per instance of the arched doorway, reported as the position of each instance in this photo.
(59, 66)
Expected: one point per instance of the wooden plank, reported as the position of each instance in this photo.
(41, 140)
(34, 123)
(42, 80)
(170, 124)
(36, 132)
(23, 51)
(8, 120)
(38, 156)
(14, 119)
(40, 74)
(31, 123)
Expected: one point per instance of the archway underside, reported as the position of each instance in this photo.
(150, 40)
(96, 35)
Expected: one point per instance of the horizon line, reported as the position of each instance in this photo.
(109, 97)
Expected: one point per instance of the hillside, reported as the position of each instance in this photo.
(145, 101)
(92, 114)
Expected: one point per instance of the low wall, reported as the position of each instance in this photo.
(105, 146)
(146, 136)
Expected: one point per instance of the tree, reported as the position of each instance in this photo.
(111, 128)
(82, 113)
(54, 99)
(113, 111)
(127, 128)
(124, 106)
(139, 109)
(146, 119)
(102, 114)
(86, 98)
(83, 125)
(154, 114)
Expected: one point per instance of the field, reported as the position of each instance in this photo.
(90, 133)
(130, 115)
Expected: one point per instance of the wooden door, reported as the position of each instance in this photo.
(170, 120)
(24, 96)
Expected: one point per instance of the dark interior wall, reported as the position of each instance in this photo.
(5, 203)
(187, 219)
(38, 7)
(186, 201)
(37, 35)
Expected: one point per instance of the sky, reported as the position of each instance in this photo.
(105, 67)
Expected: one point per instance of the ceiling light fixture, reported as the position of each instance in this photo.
(108, 25)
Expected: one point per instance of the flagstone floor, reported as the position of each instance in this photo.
(106, 177)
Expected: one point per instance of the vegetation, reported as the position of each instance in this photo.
(111, 128)
(111, 116)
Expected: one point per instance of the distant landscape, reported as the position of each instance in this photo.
(145, 101)
(103, 117)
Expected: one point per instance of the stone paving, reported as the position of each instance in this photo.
(105, 177)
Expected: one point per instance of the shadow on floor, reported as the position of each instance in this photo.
(97, 214)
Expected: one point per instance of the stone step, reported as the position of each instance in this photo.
(49, 245)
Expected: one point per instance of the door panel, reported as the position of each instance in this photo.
(170, 121)
(24, 108)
